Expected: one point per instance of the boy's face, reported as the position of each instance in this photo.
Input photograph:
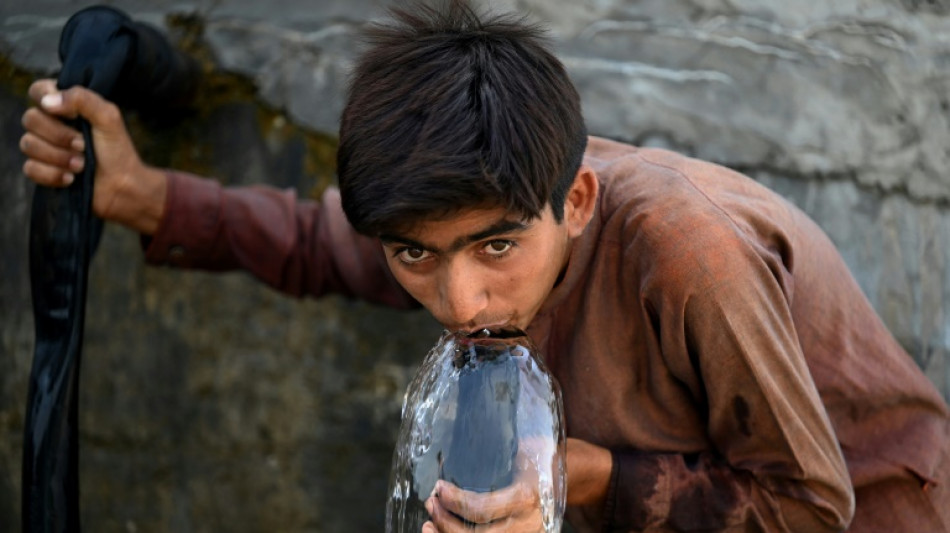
(488, 268)
(482, 268)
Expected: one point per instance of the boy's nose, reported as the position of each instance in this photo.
(463, 297)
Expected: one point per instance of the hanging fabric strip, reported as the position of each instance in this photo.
(103, 49)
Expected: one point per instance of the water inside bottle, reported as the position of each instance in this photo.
(482, 413)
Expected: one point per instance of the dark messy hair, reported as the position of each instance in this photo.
(448, 110)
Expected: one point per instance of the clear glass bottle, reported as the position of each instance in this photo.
(482, 413)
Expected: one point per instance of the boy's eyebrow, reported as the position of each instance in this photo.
(498, 228)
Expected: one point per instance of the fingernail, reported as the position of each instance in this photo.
(429, 506)
(68, 178)
(76, 163)
(78, 144)
(52, 100)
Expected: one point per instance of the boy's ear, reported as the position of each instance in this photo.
(580, 201)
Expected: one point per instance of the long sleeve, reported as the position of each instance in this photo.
(711, 336)
(722, 319)
(302, 248)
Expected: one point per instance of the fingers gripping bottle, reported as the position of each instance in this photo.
(483, 414)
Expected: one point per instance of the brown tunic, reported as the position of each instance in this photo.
(705, 331)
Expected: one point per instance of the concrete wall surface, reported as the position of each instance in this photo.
(211, 403)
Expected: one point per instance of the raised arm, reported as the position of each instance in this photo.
(302, 248)
(126, 191)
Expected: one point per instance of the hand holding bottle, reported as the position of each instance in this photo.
(515, 508)
(481, 447)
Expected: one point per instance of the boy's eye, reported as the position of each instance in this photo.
(498, 247)
(412, 255)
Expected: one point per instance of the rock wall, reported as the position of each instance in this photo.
(210, 403)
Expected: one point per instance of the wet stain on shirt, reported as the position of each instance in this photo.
(711, 497)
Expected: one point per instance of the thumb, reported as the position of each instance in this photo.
(81, 102)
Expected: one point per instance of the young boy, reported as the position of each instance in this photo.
(721, 369)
